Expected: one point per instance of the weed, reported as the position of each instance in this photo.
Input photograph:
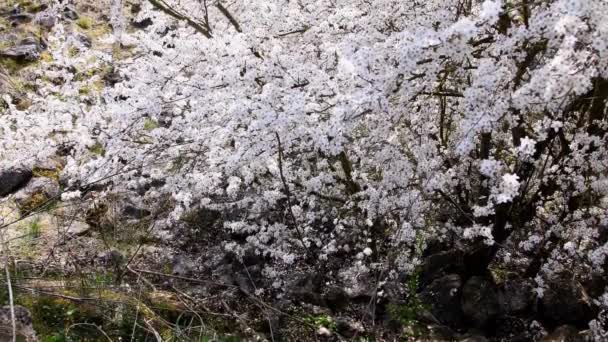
(321, 320)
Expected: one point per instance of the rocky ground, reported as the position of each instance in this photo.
(97, 268)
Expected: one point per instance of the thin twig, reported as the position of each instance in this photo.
(228, 15)
(288, 195)
(163, 6)
(9, 285)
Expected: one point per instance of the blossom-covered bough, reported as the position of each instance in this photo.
(359, 130)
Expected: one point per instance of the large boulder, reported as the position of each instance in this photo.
(480, 301)
(12, 180)
(28, 50)
(516, 295)
(442, 297)
(440, 264)
(38, 193)
(307, 289)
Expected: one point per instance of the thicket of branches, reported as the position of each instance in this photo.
(357, 131)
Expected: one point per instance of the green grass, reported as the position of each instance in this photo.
(34, 229)
(321, 320)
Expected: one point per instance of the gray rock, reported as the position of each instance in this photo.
(516, 295)
(112, 258)
(480, 301)
(349, 328)
(46, 19)
(182, 265)
(86, 41)
(20, 18)
(23, 323)
(133, 212)
(336, 298)
(70, 13)
(442, 296)
(77, 228)
(436, 332)
(307, 289)
(13, 179)
(45, 186)
(442, 263)
(142, 24)
(564, 333)
(25, 52)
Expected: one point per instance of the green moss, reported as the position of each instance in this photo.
(84, 90)
(98, 149)
(150, 124)
(36, 202)
(84, 23)
(46, 173)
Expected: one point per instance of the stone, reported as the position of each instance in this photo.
(564, 302)
(77, 228)
(441, 263)
(85, 40)
(70, 13)
(112, 258)
(348, 328)
(336, 298)
(182, 265)
(37, 193)
(26, 50)
(20, 18)
(480, 301)
(27, 53)
(307, 289)
(142, 24)
(133, 212)
(13, 179)
(442, 297)
(46, 19)
(564, 333)
(435, 332)
(23, 324)
(516, 295)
